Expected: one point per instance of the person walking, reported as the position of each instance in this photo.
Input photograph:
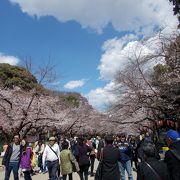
(25, 162)
(40, 150)
(172, 156)
(34, 160)
(51, 155)
(109, 158)
(66, 159)
(92, 155)
(99, 146)
(11, 158)
(81, 154)
(126, 156)
(134, 152)
(151, 167)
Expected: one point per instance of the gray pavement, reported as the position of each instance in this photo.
(45, 176)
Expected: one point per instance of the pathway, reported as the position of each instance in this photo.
(45, 176)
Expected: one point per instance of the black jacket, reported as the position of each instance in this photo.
(110, 168)
(145, 173)
(8, 154)
(81, 154)
(172, 162)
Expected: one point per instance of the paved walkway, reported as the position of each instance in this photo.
(45, 176)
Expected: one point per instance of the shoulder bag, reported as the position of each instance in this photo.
(157, 175)
(53, 151)
(57, 157)
(175, 153)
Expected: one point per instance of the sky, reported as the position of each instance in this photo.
(84, 39)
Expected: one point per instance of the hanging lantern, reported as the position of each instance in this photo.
(176, 125)
(161, 123)
(172, 123)
(158, 124)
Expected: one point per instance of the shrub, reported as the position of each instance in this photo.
(11, 76)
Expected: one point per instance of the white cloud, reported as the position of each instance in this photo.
(118, 52)
(102, 97)
(114, 54)
(75, 84)
(12, 60)
(115, 57)
(142, 16)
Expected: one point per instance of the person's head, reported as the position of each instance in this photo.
(39, 143)
(16, 139)
(98, 137)
(142, 135)
(65, 145)
(117, 138)
(133, 140)
(5, 143)
(75, 139)
(30, 145)
(123, 138)
(171, 136)
(52, 141)
(80, 141)
(149, 150)
(23, 142)
(109, 139)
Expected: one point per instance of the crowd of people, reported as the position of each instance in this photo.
(117, 154)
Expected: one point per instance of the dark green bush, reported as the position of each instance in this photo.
(70, 100)
(11, 76)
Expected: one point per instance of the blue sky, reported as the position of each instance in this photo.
(79, 36)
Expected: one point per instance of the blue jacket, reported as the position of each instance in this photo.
(125, 151)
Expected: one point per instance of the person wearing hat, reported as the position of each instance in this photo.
(51, 155)
(172, 156)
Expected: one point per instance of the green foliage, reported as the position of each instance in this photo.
(159, 71)
(11, 76)
(70, 100)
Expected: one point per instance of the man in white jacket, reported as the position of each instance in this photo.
(51, 155)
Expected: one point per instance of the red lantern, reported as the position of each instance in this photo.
(172, 123)
(161, 122)
(158, 123)
(176, 125)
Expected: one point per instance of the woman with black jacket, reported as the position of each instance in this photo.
(109, 159)
(82, 156)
